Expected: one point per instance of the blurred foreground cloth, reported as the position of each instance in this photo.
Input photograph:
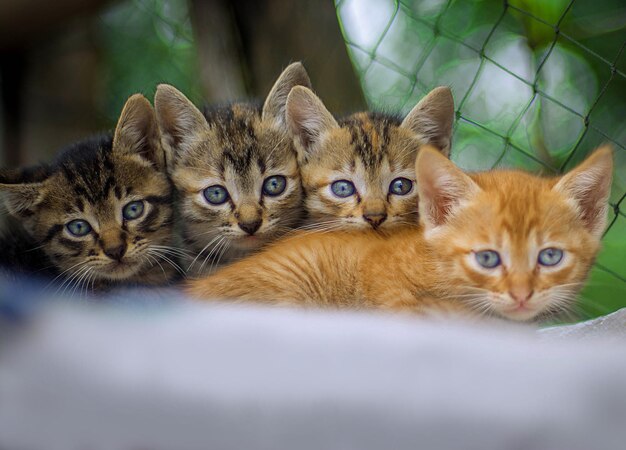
(188, 376)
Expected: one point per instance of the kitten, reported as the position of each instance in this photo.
(503, 243)
(235, 170)
(360, 172)
(101, 213)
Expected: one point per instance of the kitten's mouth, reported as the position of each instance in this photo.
(248, 242)
(119, 270)
(521, 312)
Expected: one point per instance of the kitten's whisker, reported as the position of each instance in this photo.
(158, 263)
(62, 273)
(68, 278)
(157, 253)
(69, 281)
(79, 282)
(213, 252)
(222, 252)
(173, 250)
(202, 251)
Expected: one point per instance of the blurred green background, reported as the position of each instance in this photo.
(537, 83)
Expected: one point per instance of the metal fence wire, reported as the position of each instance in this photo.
(537, 85)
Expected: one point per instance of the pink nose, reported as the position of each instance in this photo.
(520, 295)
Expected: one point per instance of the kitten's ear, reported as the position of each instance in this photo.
(588, 187)
(432, 119)
(20, 198)
(178, 119)
(276, 102)
(442, 187)
(137, 132)
(308, 120)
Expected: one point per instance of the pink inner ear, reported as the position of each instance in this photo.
(592, 201)
(443, 188)
(439, 204)
(589, 186)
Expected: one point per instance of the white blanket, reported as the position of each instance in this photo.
(224, 377)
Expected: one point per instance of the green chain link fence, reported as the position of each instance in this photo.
(145, 42)
(538, 84)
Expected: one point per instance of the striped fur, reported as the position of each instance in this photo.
(236, 147)
(370, 150)
(94, 180)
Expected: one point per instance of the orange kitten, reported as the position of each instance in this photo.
(503, 243)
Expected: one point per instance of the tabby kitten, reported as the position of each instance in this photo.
(503, 243)
(101, 213)
(359, 173)
(235, 170)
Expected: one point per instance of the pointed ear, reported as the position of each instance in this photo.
(137, 132)
(308, 120)
(442, 187)
(588, 187)
(178, 119)
(20, 198)
(432, 119)
(275, 104)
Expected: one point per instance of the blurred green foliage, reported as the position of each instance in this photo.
(537, 85)
(145, 42)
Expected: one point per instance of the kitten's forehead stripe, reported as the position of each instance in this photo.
(370, 135)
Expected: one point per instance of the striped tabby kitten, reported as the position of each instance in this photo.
(101, 213)
(359, 173)
(235, 170)
(503, 243)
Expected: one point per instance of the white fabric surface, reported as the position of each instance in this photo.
(225, 377)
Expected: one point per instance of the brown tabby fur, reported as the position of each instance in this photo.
(93, 180)
(368, 149)
(433, 269)
(236, 147)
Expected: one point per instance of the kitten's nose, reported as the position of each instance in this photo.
(116, 252)
(375, 219)
(250, 227)
(521, 294)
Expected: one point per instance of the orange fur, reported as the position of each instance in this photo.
(434, 269)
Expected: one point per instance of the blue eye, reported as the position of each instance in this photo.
(401, 186)
(79, 227)
(216, 195)
(275, 185)
(133, 210)
(343, 188)
(550, 256)
(489, 259)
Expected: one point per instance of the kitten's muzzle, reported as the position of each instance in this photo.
(250, 227)
(521, 294)
(375, 219)
(116, 252)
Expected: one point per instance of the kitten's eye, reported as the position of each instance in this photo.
(401, 186)
(216, 195)
(343, 188)
(133, 210)
(550, 256)
(275, 185)
(79, 227)
(489, 259)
